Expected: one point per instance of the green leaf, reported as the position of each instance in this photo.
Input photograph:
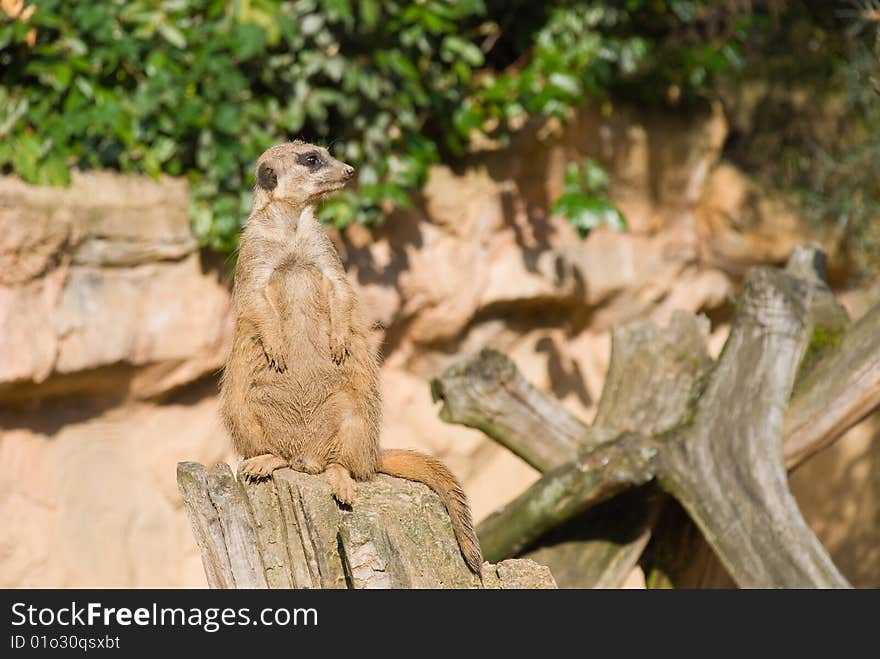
(583, 203)
(455, 46)
(54, 171)
(585, 213)
(249, 40)
(200, 89)
(595, 178)
(567, 83)
(369, 13)
(172, 35)
(227, 119)
(467, 119)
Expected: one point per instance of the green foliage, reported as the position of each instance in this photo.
(841, 188)
(584, 200)
(199, 88)
(817, 135)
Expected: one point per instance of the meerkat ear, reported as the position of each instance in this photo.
(266, 177)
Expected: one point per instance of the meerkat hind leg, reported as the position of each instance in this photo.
(262, 466)
(341, 482)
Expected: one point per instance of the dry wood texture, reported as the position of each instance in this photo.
(288, 532)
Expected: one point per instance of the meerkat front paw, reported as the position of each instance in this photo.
(261, 466)
(338, 347)
(274, 358)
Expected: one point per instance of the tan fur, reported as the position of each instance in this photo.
(301, 385)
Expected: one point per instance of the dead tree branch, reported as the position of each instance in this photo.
(724, 445)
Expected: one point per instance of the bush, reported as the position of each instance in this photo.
(200, 88)
(816, 132)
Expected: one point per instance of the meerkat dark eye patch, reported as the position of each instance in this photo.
(312, 160)
(266, 177)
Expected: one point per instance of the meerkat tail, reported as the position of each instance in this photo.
(416, 466)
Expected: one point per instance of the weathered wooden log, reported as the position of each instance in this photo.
(743, 404)
(481, 393)
(727, 469)
(595, 476)
(239, 532)
(288, 532)
(817, 314)
(838, 391)
(678, 554)
(192, 480)
(653, 376)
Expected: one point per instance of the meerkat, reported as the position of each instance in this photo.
(300, 388)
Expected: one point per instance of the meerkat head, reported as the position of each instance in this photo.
(299, 173)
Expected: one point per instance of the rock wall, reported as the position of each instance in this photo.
(106, 306)
(114, 327)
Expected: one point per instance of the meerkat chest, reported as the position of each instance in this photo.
(298, 259)
(300, 289)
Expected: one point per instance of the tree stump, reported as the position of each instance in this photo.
(289, 532)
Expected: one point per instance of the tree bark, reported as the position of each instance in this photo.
(601, 547)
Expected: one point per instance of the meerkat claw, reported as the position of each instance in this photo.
(275, 361)
(338, 350)
(341, 484)
(261, 466)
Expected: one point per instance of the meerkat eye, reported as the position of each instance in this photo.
(311, 160)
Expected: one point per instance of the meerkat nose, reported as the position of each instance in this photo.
(349, 171)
